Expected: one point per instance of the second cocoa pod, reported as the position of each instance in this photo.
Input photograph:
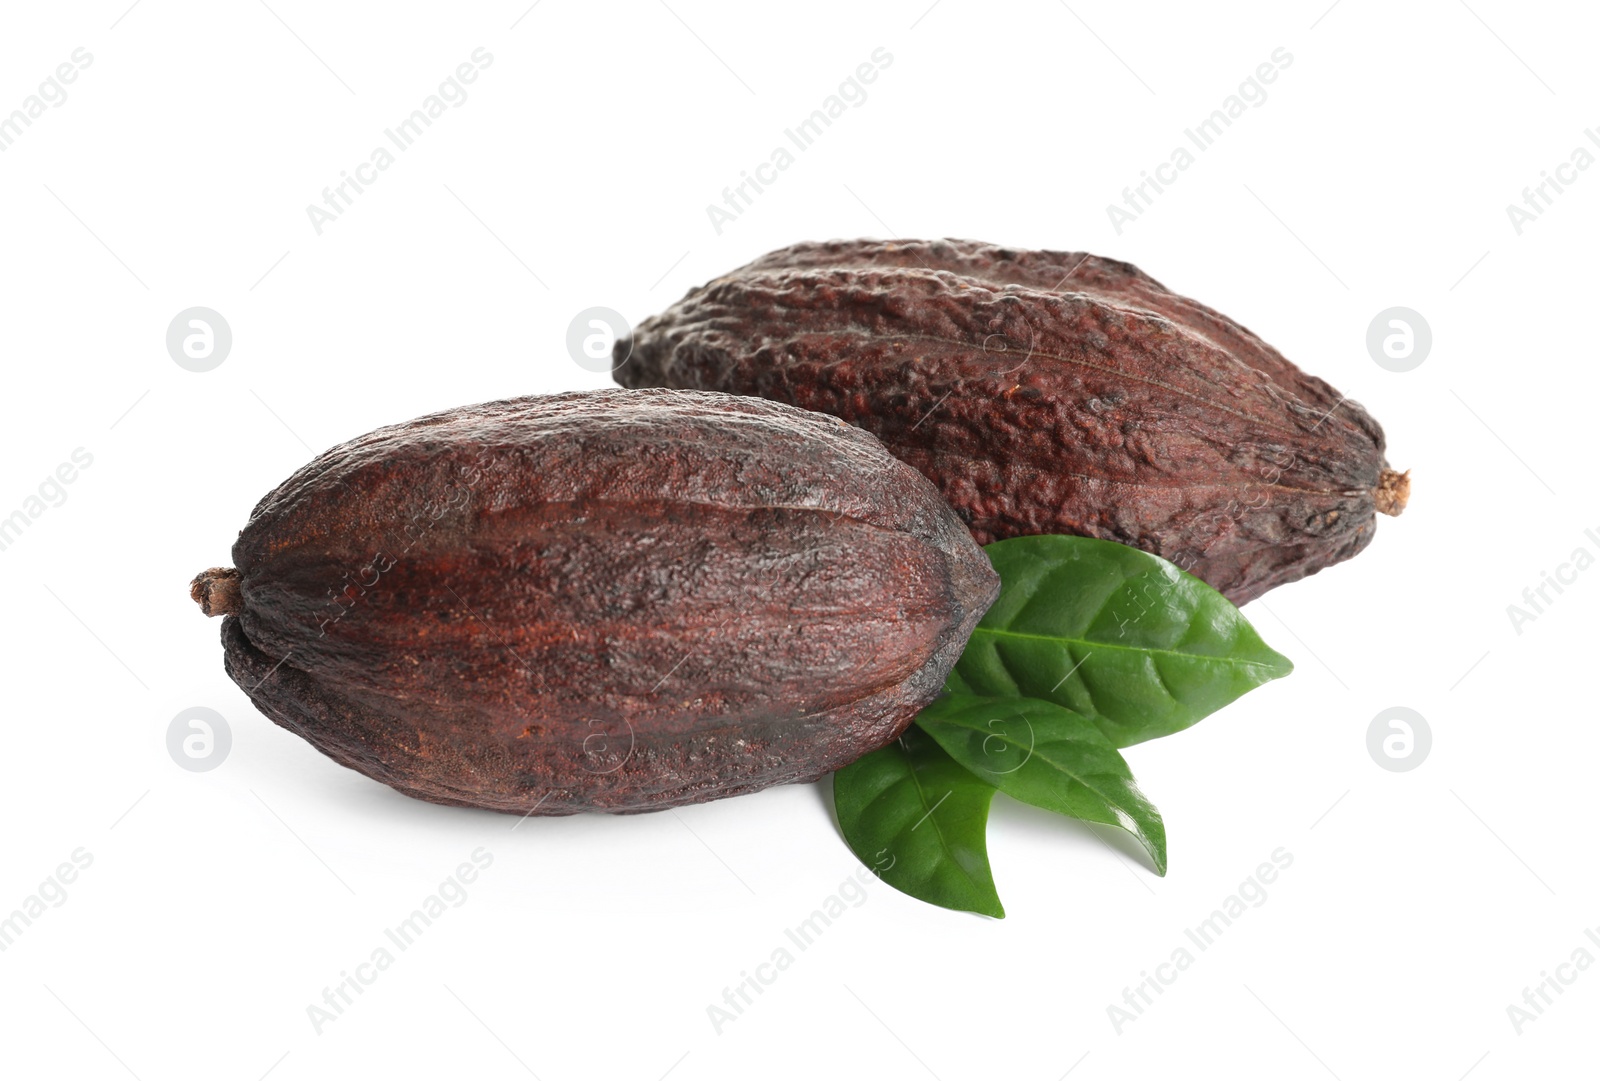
(1047, 392)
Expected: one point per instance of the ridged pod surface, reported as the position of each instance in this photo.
(1047, 392)
(614, 601)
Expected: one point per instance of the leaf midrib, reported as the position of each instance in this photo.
(933, 816)
(1005, 633)
(1079, 778)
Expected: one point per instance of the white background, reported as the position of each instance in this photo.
(219, 905)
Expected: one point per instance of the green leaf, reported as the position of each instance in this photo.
(1047, 756)
(1113, 633)
(917, 820)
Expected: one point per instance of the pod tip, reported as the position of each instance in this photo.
(216, 591)
(1393, 492)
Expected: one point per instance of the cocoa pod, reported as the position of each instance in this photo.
(1047, 392)
(614, 601)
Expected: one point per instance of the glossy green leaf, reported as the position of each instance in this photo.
(1113, 633)
(1047, 756)
(917, 819)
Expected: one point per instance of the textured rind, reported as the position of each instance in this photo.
(616, 601)
(1044, 392)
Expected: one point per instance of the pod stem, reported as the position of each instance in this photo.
(1393, 492)
(216, 591)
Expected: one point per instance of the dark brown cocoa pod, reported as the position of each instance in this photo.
(1047, 392)
(614, 601)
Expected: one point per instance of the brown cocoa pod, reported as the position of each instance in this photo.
(1047, 392)
(613, 601)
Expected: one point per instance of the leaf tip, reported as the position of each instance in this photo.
(1276, 665)
(1158, 857)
